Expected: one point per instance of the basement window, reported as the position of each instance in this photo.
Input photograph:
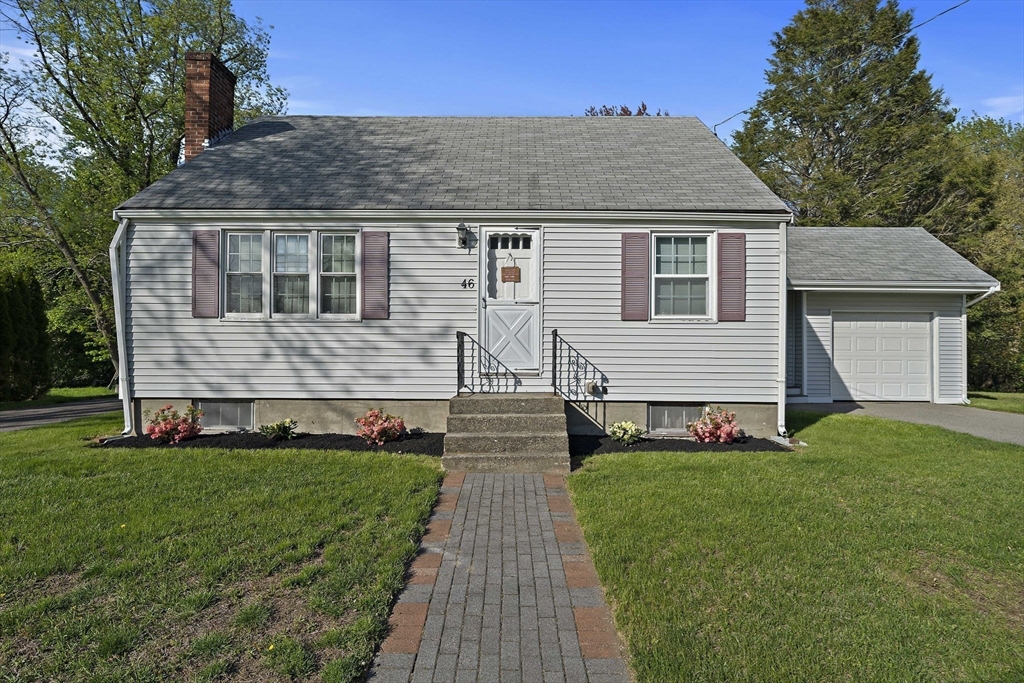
(226, 415)
(671, 418)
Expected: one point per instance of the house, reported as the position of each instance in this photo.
(317, 267)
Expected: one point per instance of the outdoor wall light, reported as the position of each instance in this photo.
(463, 240)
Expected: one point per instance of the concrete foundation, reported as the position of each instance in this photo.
(319, 416)
(595, 417)
(339, 416)
(756, 419)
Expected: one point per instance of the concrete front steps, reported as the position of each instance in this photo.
(511, 433)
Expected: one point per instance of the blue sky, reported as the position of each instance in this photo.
(705, 59)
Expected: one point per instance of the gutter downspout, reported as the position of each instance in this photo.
(117, 269)
(963, 331)
(782, 329)
(991, 290)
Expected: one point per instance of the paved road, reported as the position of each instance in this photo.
(988, 424)
(503, 590)
(62, 412)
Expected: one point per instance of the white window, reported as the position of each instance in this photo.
(245, 273)
(681, 276)
(337, 274)
(291, 274)
(308, 274)
(233, 415)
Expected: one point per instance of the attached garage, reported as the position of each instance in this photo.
(881, 357)
(878, 314)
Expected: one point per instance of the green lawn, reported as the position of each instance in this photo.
(55, 396)
(997, 400)
(883, 551)
(121, 565)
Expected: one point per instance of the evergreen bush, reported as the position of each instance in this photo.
(24, 343)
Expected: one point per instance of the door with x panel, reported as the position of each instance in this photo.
(510, 334)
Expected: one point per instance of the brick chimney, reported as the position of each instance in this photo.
(209, 101)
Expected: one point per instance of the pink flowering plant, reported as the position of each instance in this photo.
(378, 427)
(169, 426)
(715, 425)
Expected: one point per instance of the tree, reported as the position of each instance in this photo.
(621, 110)
(108, 76)
(30, 189)
(24, 345)
(111, 73)
(850, 131)
(995, 326)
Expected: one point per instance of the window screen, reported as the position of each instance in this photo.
(338, 274)
(291, 274)
(226, 414)
(673, 417)
(681, 276)
(244, 276)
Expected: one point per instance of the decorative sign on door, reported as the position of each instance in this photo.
(511, 274)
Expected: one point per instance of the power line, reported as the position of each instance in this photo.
(714, 129)
(945, 11)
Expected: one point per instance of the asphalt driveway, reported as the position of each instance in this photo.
(33, 417)
(987, 424)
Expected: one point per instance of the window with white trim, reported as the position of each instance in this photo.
(244, 277)
(301, 273)
(681, 286)
(291, 274)
(337, 274)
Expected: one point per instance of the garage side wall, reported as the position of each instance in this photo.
(948, 336)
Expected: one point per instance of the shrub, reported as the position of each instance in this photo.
(714, 425)
(169, 426)
(377, 427)
(24, 341)
(626, 432)
(280, 431)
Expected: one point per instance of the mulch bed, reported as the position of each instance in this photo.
(580, 446)
(430, 443)
(423, 443)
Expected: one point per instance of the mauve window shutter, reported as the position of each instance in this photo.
(636, 275)
(206, 274)
(732, 276)
(375, 275)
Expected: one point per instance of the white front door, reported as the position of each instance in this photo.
(881, 357)
(510, 320)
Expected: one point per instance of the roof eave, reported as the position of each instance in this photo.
(757, 215)
(919, 286)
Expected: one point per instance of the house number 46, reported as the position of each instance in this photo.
(469, 283)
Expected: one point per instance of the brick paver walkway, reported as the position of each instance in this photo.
(503, 590)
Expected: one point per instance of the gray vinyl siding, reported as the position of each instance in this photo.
(794, 341)
(412, 355)
(947, 336)
(661, 361)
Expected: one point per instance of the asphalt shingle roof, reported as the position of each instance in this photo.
(462, 163)
(909, 255)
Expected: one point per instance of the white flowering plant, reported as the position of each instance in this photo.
(280, 431)
(626, 432)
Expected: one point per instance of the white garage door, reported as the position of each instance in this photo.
(881, 357)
